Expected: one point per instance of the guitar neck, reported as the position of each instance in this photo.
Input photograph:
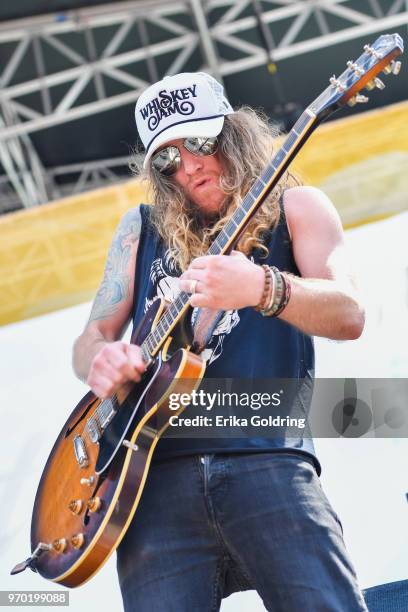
(264, 184)
(237, 224)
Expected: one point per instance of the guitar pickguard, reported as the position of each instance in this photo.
(129, 413)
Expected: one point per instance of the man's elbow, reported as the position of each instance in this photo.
(354, 324)
(76, 360)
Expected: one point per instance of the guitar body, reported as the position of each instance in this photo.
(112, 478)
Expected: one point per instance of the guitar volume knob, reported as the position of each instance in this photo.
(94, 504)
(87, 481)
(59, 545)
(78, 540)
(75, 506)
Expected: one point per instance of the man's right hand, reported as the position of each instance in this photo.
(115, 364)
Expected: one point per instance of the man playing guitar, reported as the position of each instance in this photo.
(219, 516)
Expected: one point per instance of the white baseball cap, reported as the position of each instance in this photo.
(179, 106)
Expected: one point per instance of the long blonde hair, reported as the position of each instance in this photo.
(245, 147)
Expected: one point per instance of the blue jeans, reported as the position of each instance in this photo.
(210, 525)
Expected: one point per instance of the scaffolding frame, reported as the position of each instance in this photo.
(193, 28)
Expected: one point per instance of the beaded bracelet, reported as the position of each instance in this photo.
(267, 289)
(276, 293)
(282, 294)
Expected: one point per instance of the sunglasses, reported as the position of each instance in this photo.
(167, 161)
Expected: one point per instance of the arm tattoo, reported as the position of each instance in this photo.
(115, 284)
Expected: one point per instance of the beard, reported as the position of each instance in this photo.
(205, 219)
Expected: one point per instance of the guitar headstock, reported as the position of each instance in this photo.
(378, 57)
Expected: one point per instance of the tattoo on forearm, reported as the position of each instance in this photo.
(115, 284)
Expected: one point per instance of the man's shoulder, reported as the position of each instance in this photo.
(305, 200)
(308, 207)
(130, 225)
(134, 216)
(295, 197)
(134, 212)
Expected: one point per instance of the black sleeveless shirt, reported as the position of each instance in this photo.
(244, 343)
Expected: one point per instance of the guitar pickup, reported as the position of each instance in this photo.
(80, 452)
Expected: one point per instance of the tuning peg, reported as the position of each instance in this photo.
(360, 99)
(336, 83)
(373, 52)
(357, 99)
(353, 66)
(395, 67)
(375, 83)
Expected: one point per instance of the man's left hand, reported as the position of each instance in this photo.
(224, 282)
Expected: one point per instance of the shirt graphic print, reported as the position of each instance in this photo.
(164, 275)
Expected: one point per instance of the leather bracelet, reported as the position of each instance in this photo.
(276, 293)
(286, 296)
(272, 294)
(279, 292)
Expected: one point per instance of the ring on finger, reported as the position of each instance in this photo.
(193, 285)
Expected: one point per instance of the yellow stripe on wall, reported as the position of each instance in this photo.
(53, 256)
(360, 162)
(338, 144)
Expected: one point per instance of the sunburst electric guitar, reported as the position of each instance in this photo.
(94, 477)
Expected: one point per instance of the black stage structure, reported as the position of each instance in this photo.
(71, 72)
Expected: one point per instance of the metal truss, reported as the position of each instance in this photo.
(25, 175)
(103, 57)
(63, 181)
